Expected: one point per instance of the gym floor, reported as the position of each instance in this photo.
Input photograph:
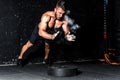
(88, 71)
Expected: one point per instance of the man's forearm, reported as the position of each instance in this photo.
(45, 35)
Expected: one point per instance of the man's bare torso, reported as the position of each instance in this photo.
(53, 22)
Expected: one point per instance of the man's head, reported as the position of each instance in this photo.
(60, 9)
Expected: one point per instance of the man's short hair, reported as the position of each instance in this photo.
(61, 4)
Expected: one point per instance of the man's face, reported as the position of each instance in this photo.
(59, 12)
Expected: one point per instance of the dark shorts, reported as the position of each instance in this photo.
(34, 35)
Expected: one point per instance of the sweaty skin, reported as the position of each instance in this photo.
(50, 20)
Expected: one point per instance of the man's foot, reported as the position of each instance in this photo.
(44, 61)
(19, 62)
(48, 62)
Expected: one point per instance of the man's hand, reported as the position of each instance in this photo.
(70, 37)
(55, 34)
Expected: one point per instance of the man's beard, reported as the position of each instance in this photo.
(60, 18)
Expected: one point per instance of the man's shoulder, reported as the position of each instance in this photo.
(65, 22)
(49, 13)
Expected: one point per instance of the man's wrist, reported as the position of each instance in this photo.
(52, 37)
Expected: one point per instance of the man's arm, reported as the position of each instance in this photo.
(43, 26)
(65, 27)
(68, 36)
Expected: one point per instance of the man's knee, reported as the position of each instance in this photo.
(28, 44)
(47, 46)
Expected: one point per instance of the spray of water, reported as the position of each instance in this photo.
(71, 22)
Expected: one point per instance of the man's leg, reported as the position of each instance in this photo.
(47, 50)
(24, 48)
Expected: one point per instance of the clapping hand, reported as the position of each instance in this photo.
(70, 37)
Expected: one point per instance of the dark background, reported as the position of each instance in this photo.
(19, 17)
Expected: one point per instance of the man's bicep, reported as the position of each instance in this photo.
(43, 23)
(42, 26)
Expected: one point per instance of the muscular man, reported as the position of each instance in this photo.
(52, 26)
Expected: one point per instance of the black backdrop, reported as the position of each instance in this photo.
(115, 26)
(19, 17)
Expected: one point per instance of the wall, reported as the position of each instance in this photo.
(19, 17)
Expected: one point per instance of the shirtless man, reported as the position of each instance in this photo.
(51, 26)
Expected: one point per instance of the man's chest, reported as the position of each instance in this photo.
(55, 24)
